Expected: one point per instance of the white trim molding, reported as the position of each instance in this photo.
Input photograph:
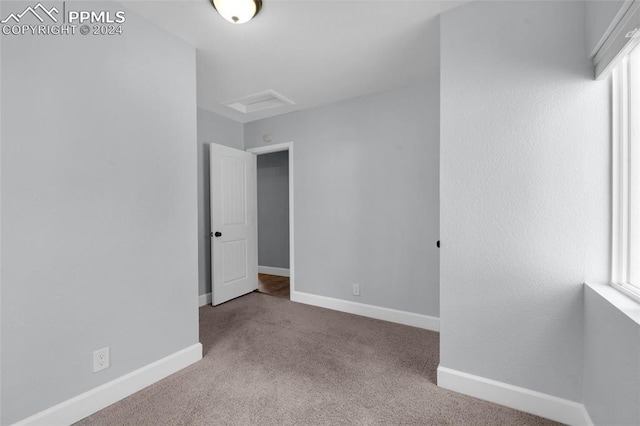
(204, 299)
(370, 311)
(96, 399)
(612, 26)
(625, 167)
(529, 401)
(286, 146)
(272, 270)
(623, 36)
(268, 149)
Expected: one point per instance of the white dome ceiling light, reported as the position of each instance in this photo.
(237, 11)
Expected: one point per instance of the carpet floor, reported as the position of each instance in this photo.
(269, 361)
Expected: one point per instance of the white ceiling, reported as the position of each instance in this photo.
(312, 52)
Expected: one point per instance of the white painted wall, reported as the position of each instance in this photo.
(366, 196)
(212, 128)
(524, 192)
(611, 356)
(98, 212)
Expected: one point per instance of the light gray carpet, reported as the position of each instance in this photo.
(269, 361)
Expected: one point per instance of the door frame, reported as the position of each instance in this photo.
(268, 149)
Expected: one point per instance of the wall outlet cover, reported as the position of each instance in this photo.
(100, 359)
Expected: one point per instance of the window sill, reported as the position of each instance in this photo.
(623, 303)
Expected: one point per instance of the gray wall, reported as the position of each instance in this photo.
(598, 17)
(212, 128)
(524, 192)
(99, 203)
(366, 196)
(611, 356)
(273, 209)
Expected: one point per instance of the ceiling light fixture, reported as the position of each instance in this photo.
(237, 11)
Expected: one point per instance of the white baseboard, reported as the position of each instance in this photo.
(204, 299)
(96, 399)
(271, 270)
(377, 312)
(529, 401)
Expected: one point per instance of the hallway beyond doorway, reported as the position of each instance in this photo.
(274, 285)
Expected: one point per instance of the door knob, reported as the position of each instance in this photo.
(218, 234)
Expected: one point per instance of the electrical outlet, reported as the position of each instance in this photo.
(356, 290)
(100, 359)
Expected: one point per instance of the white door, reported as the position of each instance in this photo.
(234, 240)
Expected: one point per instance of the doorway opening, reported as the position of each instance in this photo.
(274, 176)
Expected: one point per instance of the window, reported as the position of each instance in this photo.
(626, 175)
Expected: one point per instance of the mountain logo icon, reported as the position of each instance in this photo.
(39, 11)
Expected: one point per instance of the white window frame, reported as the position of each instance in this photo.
(625, 274)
